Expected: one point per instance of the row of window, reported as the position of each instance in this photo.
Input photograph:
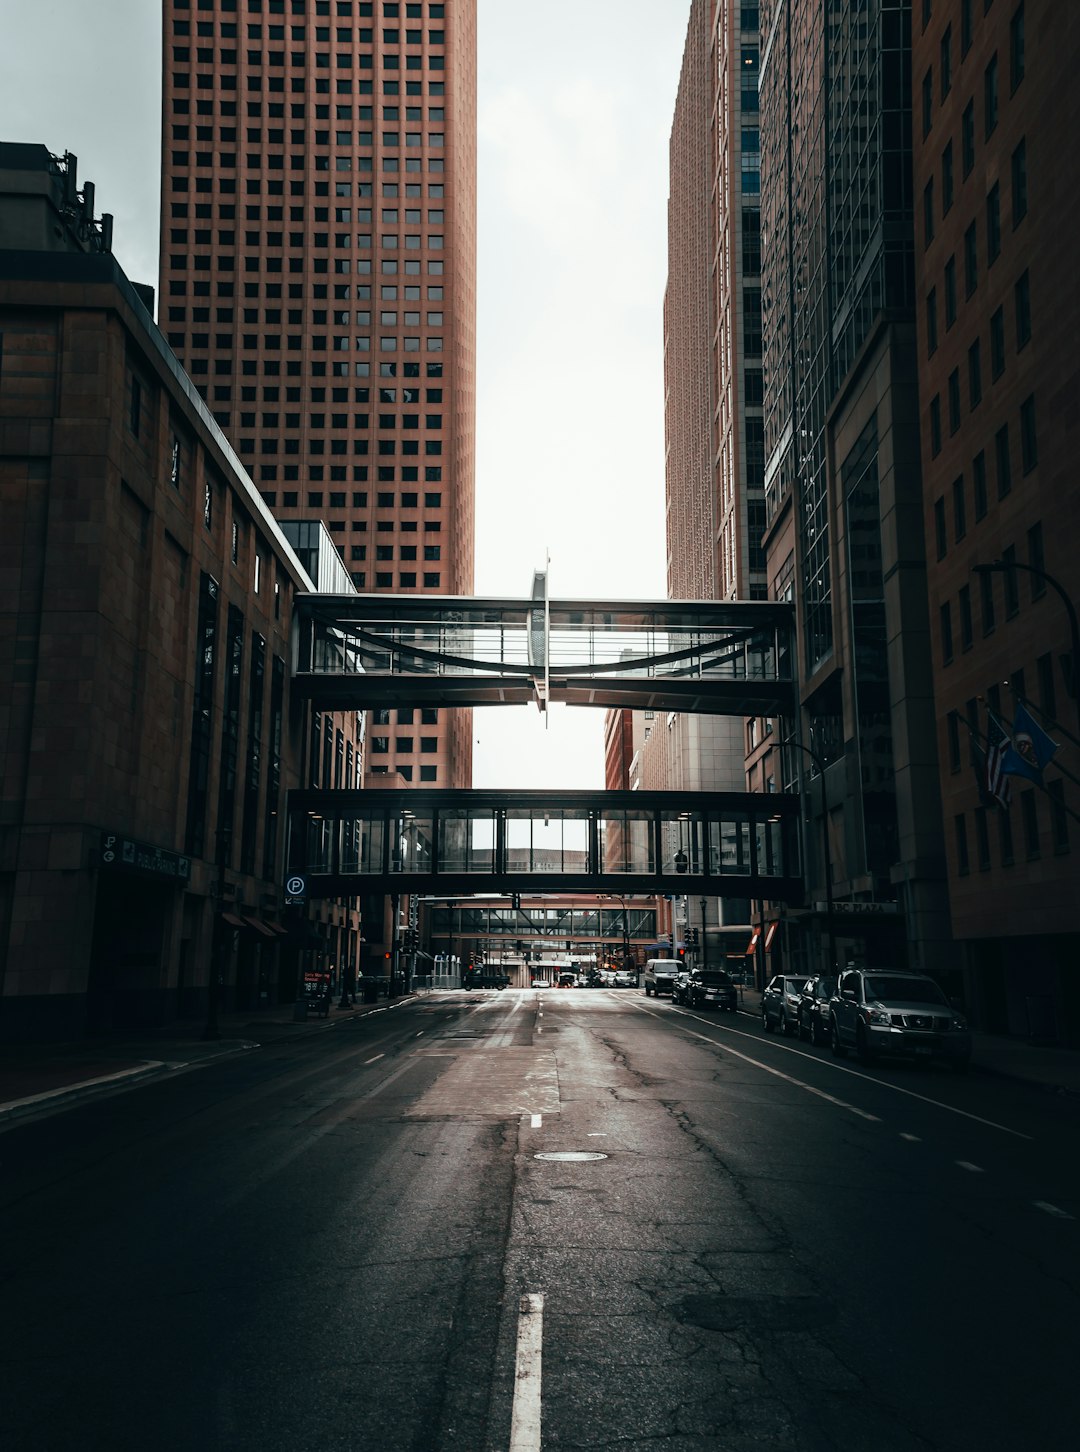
(1019, 207)
(275, 160)
(391, 9)
(1017, 63)
(335, 499)
(380, 745)
(427, 773)
(317, 474)
(1032, 571)
(1031, 811)
(406, 580)
(1022, 303)
(275, 110)
(343, 35)
(275, 85)
(253, 212)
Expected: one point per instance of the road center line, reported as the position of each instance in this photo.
(911, 1138)
(843, 1069)
(971, 1169)
(377, 1056)
(525, 1417)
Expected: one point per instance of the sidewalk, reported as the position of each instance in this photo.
(1049, 1066)
(42, 1078)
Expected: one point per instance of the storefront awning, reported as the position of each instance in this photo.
(260, 927)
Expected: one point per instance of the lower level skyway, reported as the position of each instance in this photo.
(718, 657)
(715, 844)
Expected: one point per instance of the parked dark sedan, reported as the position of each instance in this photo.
(705, 988)
(780, 1003)
(814, 1008)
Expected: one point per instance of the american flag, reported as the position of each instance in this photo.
(997, 743)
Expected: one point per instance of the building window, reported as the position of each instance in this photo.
(928, 101)
(931, 322)
(966, 634)
(978, 485)
(1016, 47)
(935, 425)
(993, 223)
(967, 138)
(959, 501)
(965, 26)
(982, 839)
(1012, 587)
(986, 591)
(1004, 467)
(946, 178)
(975, 374)
(990, 97)
(1019, 184)
(946, 62)
(1059, 820)
(945, 615)
(1029, 814)
(950, 293)
(997, 343)
(954, 401)
(960, 834)
(1022, 296)
(1029, 448)
(1037, 562)
(952, 722)
(971, 261)
(928, 212)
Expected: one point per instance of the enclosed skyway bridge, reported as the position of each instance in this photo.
(356, 652)
(454, 843)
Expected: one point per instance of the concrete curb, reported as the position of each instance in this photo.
(84, 1089)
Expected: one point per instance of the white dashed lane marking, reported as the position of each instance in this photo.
(972, 1169)
(1052, 1210)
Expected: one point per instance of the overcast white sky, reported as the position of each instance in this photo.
(575, 105)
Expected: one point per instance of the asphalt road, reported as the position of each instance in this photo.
(349, 1242)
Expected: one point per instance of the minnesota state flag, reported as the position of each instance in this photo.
(1030, 750)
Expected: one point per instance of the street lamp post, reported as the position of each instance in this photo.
(702, 902)
(1001, 567)
(830, 915)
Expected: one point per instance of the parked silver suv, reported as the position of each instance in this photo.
(880, 1011)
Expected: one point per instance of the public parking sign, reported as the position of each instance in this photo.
(295, 889)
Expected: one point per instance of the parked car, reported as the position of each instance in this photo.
(659, 975)
(705, 988)
(780, 1003)
(541, 982)
(624, 978)
(814, 1008)
(568, 980)
(882, 1011)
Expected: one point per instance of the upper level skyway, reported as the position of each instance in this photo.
(356, 652)
(449, 843)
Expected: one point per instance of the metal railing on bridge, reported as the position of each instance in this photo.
(721, 657)
(718, 844)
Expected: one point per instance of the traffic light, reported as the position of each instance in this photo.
(682, 952)
(691, 937)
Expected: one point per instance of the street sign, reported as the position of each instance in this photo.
(295, 889)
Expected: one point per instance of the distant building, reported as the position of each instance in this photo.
(318, 282)
(148, 731)
(997, 182)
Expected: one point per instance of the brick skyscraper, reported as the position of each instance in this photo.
(318, 282)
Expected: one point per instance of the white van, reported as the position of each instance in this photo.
(659, 975)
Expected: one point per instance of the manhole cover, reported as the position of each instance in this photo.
(571, 1155)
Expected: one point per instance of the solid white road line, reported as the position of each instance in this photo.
(971, 1169)
(842, 1069)
(1052, 1210)
(911, 1138)
(537, 1121)
(525, 1418)
(377, 1056)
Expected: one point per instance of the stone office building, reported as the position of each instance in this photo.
(147, 731)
